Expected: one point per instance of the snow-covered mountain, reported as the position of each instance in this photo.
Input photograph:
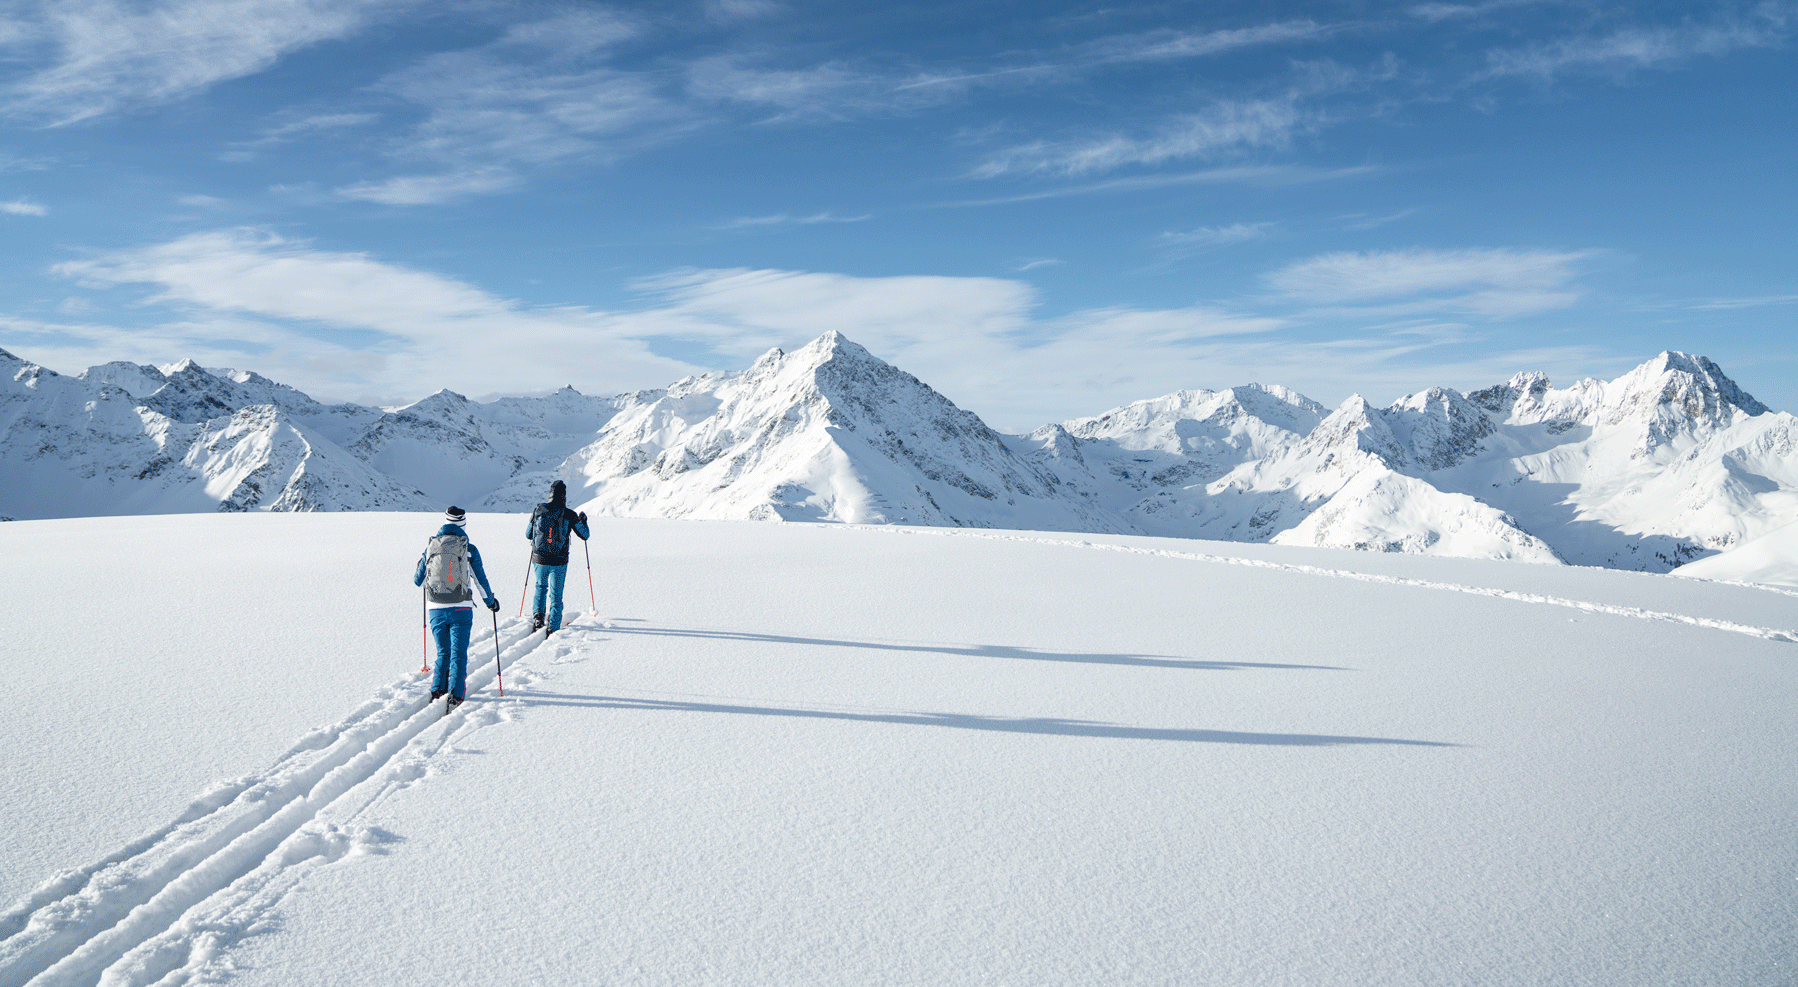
(826, 433)
(88, 446)
(460, 451)
(1671, 462)
(1668, 463)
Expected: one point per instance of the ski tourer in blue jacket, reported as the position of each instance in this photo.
(447, 571)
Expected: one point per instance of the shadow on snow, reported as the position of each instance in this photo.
(965, 721)
(967, 650)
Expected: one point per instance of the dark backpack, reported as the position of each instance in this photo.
(549, 531)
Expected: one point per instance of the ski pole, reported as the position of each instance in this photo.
(590, 598)
(424, 633)
(496, 670)
(527, 585)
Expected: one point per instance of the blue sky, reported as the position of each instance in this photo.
(1042, 209)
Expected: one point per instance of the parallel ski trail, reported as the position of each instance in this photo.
(123, 920)
(1781, 635)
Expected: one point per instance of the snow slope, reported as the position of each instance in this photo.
(843, 754)
(1771, 559)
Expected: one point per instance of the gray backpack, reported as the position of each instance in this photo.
(447, 579)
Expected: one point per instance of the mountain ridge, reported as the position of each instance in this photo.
(1670, 462)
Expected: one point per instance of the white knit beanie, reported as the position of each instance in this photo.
(455, 515)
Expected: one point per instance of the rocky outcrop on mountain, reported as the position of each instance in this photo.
(1668, 463)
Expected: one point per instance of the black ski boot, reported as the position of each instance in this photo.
(536, 622)
(437, 694)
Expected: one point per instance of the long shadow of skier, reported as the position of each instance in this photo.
(968, 650)
(968, 721)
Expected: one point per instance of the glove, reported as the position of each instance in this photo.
(583, 517)
(493, 605)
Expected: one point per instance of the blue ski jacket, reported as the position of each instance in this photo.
(474, 562)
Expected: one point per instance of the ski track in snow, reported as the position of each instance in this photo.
(162, 909)
(1764, 633)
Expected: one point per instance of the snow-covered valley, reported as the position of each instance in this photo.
(1667, 464)
(850, 754)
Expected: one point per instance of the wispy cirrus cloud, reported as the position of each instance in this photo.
(1632, 48)
(421, 190)
(544, 92)
(1437, 12)
(743, 10)
(1365, 221)
(1168, 43)
(293, 130)
(843, 89)
(99, 56)
(833, 90)
(782, 219)
(1216, 236)
(1263, 175)
(1224, 126)
(1492, 282)
(1733, 303)
(23, 207)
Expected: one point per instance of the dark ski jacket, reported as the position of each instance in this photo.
(553, 521)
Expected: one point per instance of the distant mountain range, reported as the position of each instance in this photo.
(1670, 462)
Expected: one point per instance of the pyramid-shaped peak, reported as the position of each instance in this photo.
(186, 368)
(1673, 377)
(444, 399)
(833, 346)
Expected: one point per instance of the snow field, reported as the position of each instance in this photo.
(793, 753)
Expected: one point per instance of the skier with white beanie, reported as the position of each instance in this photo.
(446, 571)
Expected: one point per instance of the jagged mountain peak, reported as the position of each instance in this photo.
(1356, 427)
(190, 393)
(1520, 395)
(1678, 385)
(1438, 427)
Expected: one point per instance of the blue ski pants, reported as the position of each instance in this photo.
(450, 628)
(549, 583)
